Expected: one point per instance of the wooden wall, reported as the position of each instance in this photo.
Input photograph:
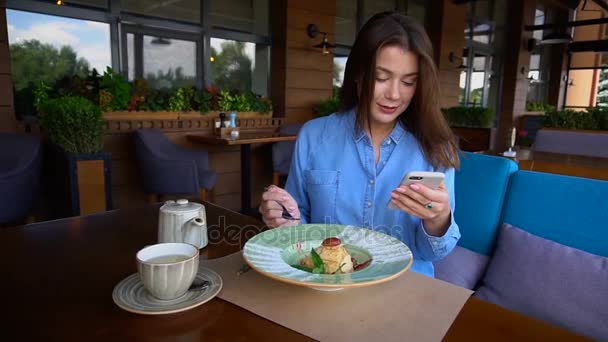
(445, 26)
(127, 188)
(302, 76)
(7, 110)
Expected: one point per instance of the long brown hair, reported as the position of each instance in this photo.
(423, 117)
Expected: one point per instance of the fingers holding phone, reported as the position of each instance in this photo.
(422, 194)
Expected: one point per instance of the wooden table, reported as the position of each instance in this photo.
(245, 140)
(58, 276)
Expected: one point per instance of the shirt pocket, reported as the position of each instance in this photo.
(322, 188)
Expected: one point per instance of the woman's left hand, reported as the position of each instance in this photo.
(432, 206)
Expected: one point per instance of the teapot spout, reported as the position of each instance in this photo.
(197, 221)
(196, 232)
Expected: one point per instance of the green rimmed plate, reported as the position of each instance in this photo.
(272, 253)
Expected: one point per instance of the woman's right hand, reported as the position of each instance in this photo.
(271, 210)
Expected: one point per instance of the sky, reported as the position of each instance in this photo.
(89, 39)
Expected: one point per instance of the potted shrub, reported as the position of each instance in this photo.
(472, 125)
(79, 171)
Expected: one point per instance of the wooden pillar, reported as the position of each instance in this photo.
(516, 65)
(446, 29)
(301, 75)
(7, 109)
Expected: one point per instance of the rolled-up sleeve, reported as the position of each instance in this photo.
(433, 248)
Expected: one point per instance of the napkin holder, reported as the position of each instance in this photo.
(223, 131)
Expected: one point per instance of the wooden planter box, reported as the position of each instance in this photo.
(167, 115)
(78, 184)
(473, 139)
(571, 141)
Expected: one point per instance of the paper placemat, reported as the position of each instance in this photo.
(411, 307)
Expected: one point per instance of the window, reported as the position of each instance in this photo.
(479, 80)
(153, 58)
(234, 66)
(348, 24)
(49, 48)
(181, 10)
(249, 16)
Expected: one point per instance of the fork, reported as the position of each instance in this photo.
(286, 214)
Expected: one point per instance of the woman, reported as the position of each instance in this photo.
(349, 165)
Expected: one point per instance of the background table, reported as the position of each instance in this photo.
(245, 140)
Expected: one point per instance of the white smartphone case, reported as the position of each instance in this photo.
(427, 178)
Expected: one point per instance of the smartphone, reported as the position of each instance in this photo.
(429, 179)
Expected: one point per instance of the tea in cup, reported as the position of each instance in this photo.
(168, 269)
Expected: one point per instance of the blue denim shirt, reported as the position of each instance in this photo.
(334, 179)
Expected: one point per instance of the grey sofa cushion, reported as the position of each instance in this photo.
(549, 281)
(461, 267)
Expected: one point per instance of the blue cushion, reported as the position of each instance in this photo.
(481, 184)
(572, 211)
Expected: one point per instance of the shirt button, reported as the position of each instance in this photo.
(371, 181)
(369, 204)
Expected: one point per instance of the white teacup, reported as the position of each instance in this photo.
(167, 269)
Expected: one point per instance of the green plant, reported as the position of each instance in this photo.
(532, 106)
(117, 86)
(594, 118)
(225, 100)
(327, 106)
(41, 95)
(74, 123)
(157, 100)
(480, 117)
(183, 100)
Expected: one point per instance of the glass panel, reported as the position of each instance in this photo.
(90, 3)
(602, 90)
(535, 62)
(478, 78)
(539, 19)
(482, 10)
(371, 7)
(482, 33)
(249, 16)
(158, 63)
(130, 57)
(346, 22)
(163, 68)
(232, 64)
(339, 67)
(48, 48)
(182, 10)
(462, 83)
(416, 10)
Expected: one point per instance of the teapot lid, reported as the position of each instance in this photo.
(180, 206)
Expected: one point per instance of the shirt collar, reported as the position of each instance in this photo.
(396, 134)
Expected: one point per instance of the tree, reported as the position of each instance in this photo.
(33, 62)
(170, 79)
(231, 68)
(602, 91)
(338, 69)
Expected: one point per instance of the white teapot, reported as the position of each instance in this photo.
(183, 221)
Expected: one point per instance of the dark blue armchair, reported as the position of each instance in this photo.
(20, 171)
(282, 152)
(169, 169)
